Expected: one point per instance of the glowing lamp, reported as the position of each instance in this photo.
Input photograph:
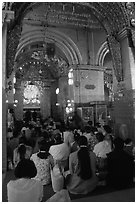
(16, 101)
(14, 79)
(57, 91)
(70, 81)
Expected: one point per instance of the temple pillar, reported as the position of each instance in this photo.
(53, 97)
(18, 107)
(45, 103)
(6, 17)
(124, 94)
(62, 97)
(128, 59)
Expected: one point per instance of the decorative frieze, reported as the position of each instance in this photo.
(12, 43)
(115, 50)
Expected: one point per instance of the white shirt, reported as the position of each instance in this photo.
(60, 151)
(102, 148)
(43, 169)
(24, 190)
(68, 137)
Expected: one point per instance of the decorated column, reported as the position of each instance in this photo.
(6, 17)
(18, 102)
(45, 106)
(124, 92)
(62, 97)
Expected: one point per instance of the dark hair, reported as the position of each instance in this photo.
(98, 125)
(22, 140)
(25, 169)
(58, 138)
(128, 140)
(22, 151)
(76, 136)
(45, 134)
(107, 128)
(15, 133)
(31, 142)
(110, 139)
(90, 122)
(94, 129)
(119, 143)
(87, 129)
(44, 148)
(100, 137)
(51, 123)
(84, 159)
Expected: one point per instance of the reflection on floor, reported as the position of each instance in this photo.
(100, 194)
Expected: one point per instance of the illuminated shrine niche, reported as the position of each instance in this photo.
(31, 95)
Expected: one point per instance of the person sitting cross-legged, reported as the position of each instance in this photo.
(120, 166)
(102, 148)
(82, 165)
(74, 146)
(25, 188)
(43, 160)
(22, 151)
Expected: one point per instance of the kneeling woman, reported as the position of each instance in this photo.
(82, 165)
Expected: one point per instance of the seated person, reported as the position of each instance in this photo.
(74, 145)
(68, 136)
(61, 196)
(60, 151)
(128, 146)
(120, 166)
(102, 148)
(82, 165)
(100, 138)
(42, 160)
(88, 133)
(12, 144)
(24, 188)
(20, 150)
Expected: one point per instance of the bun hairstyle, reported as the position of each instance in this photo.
(119, 143)
(84, 159)
(25, 169)
(43, 148)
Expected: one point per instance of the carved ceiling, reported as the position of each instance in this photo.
(110, 16)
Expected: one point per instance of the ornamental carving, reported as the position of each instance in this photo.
(130, 10)
(13, 37)
(114, 47)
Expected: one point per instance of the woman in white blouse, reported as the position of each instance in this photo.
(43, 160)
(24, 188)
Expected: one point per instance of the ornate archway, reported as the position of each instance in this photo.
(116, 18)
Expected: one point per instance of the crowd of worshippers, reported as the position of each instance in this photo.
(67, 158)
